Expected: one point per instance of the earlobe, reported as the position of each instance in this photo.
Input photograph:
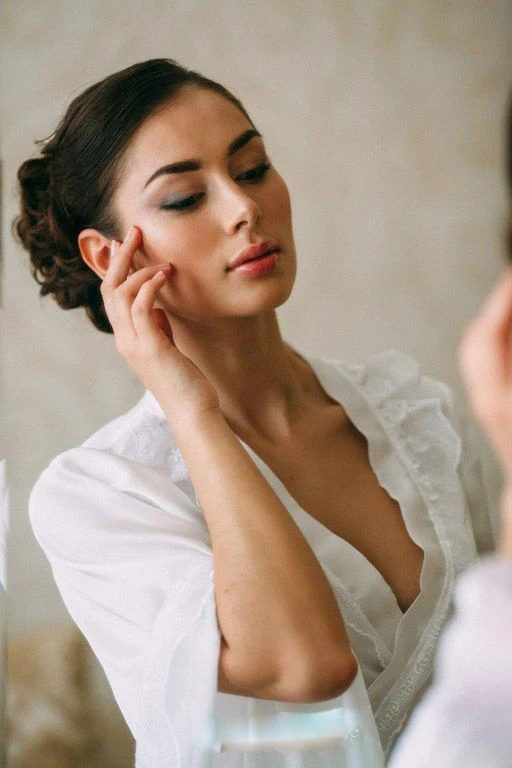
(95, 250)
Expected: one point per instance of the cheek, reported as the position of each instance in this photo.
(278, 202)
(169, 238)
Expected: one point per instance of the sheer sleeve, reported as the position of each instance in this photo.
(471, 474)
(131, 556)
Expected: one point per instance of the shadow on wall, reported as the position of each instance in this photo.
(59, 707)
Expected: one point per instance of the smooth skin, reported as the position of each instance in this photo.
(485, 361)
(206, 343)
(223, 322)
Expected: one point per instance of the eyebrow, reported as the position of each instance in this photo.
(193, 164)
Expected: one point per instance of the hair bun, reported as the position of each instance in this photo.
(71, 185)
(44, 231)
(35, 180)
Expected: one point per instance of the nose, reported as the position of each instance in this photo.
(240, 208)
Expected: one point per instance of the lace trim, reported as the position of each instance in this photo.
(421, 435)
(355, 618)
(151, 442)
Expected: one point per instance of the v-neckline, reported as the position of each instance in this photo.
(317, 366)
(331, 382)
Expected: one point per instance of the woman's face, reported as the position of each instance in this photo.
(200, 220)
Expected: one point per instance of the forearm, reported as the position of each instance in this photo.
(274, 603)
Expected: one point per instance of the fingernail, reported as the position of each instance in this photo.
(113, 247)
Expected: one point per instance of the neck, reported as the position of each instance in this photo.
(263, 385)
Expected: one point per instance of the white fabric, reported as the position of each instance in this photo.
(466, 718)
(131, 554)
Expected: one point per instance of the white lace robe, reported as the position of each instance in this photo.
(131, 554)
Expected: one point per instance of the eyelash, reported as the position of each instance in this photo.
(178, 205)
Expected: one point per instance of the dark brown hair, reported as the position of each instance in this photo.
(70, 185)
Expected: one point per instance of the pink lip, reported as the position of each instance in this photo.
(253, 252)
(260, 266)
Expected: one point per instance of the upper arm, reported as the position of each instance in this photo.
(132, 563)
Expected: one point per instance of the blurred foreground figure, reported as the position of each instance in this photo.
(466, 718)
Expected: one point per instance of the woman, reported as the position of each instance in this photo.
(260, 519)
(466, 718)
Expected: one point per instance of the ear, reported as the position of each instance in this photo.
(95, 250)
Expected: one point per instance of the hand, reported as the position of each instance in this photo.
(485, 361)
(143, 335)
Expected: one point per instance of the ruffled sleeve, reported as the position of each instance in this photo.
(132, 558)
(395, 386)
(419, 450)
(472, 478)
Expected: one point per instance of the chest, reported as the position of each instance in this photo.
(328, 472)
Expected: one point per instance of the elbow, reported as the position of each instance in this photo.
(341, 676)
(332, 680)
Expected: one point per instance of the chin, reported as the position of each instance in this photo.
(271, 297)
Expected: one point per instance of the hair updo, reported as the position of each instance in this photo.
(70, 186)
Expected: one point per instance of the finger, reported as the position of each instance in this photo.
(136, 279)
(489, 334)
(142, 307)
(124, 295)
(120, 263)
(121, 256)
(484, 353)
(162, 321)
(498, 301)
(483, 376)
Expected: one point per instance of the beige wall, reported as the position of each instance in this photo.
(384, 118)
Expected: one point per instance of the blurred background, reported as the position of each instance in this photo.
(3, 508)
(387, 122)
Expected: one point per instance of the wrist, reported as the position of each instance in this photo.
(187, 420)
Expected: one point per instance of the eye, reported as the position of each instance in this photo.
(188, 203)
(182, 205)
(255, 174)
